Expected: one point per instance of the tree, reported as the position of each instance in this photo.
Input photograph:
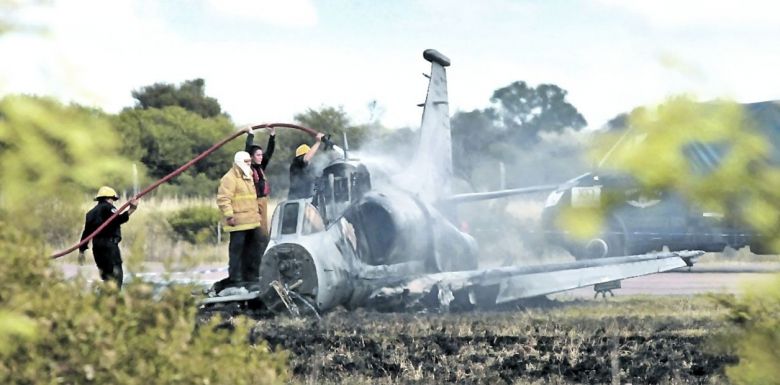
(190, 95)
(618, 123)
(472, 131)
(164, 139)
(522, 127)
(525, 111)
(334, 121)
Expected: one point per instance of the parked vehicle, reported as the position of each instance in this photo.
(637, 221)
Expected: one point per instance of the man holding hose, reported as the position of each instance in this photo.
(105, 245)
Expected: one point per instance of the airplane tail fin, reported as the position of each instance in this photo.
(431, 169)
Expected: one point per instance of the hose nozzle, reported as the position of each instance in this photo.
(327, 142)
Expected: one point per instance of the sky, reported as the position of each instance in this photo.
(266, 60)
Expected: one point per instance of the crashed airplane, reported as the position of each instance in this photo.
(362, 243)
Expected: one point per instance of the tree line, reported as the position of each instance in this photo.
(171, 124)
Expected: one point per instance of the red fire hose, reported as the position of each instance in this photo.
(175, 173)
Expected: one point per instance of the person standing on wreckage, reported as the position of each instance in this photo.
(260, 161)
(237, 201)
(301, 174)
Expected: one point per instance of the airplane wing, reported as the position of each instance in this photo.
(517, 282)
(473, 197)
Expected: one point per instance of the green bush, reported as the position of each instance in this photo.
(54, 330)
(77, 336)
(196, 224)
(185, 185)
(743, 183)
(755, 332)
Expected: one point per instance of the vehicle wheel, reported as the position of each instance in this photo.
(761, 248)
(611, 243)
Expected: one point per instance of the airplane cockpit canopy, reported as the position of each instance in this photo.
(296, 217)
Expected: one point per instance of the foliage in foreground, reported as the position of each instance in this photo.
(755, 333)
(57, 331)
(720, 155)
(78, 336)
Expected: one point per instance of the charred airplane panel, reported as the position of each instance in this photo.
(518, 282)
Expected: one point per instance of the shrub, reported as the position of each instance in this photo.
(186, 185)
(755, 332)
(58, 331)
(196, 224)
(105, 337)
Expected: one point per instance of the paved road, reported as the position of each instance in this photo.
(703, 278)
(207, 273)
(679, 284)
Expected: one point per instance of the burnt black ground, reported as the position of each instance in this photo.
(563, 344)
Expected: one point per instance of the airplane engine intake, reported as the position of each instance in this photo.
(395, 227)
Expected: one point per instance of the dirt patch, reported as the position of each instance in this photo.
(496, 347)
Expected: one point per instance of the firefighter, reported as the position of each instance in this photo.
(260, 161)
(301, 175)
(237, 200)
(105, 245)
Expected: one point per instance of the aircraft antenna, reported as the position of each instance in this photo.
(346, 146)
(502, 176)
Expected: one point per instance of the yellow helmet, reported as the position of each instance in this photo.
(302, 150)
(106, 192)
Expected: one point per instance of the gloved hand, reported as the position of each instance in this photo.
(325, 139)
(81, 258)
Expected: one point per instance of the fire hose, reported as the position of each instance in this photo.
(181, 169)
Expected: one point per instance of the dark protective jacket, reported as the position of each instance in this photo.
(301, 179)
(262, 185)
(96, 216)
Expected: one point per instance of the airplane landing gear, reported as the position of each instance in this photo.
(604, 288)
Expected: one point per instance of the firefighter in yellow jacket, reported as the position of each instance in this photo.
(237, 200)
